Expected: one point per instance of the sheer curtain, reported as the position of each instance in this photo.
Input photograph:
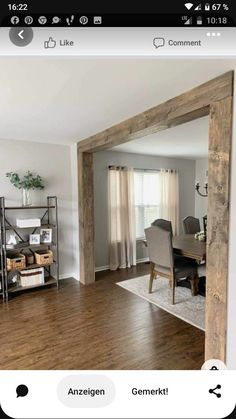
(147, 199)
(122, 240)
(169, 189)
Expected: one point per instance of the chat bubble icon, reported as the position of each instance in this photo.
(22, 391)
(158, 42)
(56, 20)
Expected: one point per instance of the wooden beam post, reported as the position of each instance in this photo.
(220, 135)
(86, 217)
(214, 97)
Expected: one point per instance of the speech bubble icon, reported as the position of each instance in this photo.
(158, 42)
(22, 391)
(56, 19)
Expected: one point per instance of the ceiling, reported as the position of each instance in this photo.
(64, 100)
(189, 141)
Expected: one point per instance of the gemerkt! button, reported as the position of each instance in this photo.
(86, 391)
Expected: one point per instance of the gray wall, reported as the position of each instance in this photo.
(53, 163)
(102, 160)
(201, 202)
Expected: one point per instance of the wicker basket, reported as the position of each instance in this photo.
(43, 257)
(16, 261)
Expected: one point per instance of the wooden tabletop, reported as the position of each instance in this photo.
(188, 246)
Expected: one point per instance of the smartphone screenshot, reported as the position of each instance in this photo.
(117, 210)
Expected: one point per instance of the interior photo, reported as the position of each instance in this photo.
(114, 213)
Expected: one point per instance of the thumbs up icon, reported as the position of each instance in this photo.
(51, 43)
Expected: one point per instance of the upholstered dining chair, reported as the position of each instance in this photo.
(163, 262)
(191, 225)
(166, 225)
(202, 279)
(201, 270)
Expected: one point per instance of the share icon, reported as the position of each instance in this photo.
(212, 391)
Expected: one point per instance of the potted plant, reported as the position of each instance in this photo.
(28, 182)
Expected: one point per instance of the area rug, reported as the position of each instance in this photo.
(187, 308)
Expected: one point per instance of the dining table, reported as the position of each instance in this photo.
(186, 245)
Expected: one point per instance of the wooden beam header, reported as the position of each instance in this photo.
(186, 107)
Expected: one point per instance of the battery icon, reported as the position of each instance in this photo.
(207, 7)
(199, 20)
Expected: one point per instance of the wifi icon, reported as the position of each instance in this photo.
(188, 5)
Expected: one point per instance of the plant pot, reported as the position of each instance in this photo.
(26, 198)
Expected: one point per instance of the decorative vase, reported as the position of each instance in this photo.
(26, 198)
(13, 239)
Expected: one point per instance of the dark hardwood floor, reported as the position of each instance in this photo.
(100, 326)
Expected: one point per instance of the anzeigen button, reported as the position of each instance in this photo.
(86, 390)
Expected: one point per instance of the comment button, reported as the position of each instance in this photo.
(159, 42)
(86, 391)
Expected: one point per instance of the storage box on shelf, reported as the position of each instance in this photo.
(43, 257)
(32, 277)
(28, 222)
(15, 262)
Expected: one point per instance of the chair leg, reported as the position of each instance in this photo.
(173, 290)
(152, 276)
(194, 285)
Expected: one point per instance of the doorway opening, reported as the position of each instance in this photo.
(213, 98)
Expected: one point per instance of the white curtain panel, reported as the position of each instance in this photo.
(122, 240)
(169, 184)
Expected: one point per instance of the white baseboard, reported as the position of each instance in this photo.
(142, 260)
(106, 267)
(65, 276)
(102, 268)
(97, 269)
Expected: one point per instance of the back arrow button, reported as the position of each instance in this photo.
(21, 37)
(20, 34)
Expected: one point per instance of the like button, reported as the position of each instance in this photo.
(50, 43)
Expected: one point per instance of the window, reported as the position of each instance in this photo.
(147, 200)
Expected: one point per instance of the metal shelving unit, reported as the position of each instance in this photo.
(2, 281)
(49, 219)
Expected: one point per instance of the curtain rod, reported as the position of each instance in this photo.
(146, 170)
(155, 170)
(140, 170)
(113, 167)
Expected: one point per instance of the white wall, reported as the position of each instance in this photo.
(200, 176)
(53, 163)
(102, 160)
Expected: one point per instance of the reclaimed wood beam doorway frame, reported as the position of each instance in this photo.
(213, 98)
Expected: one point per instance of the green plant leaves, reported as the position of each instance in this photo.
(29, 180)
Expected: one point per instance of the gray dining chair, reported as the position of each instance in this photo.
(202, 279)
(163, 262)
(166, 225)
(201, 270)
(191, 225)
